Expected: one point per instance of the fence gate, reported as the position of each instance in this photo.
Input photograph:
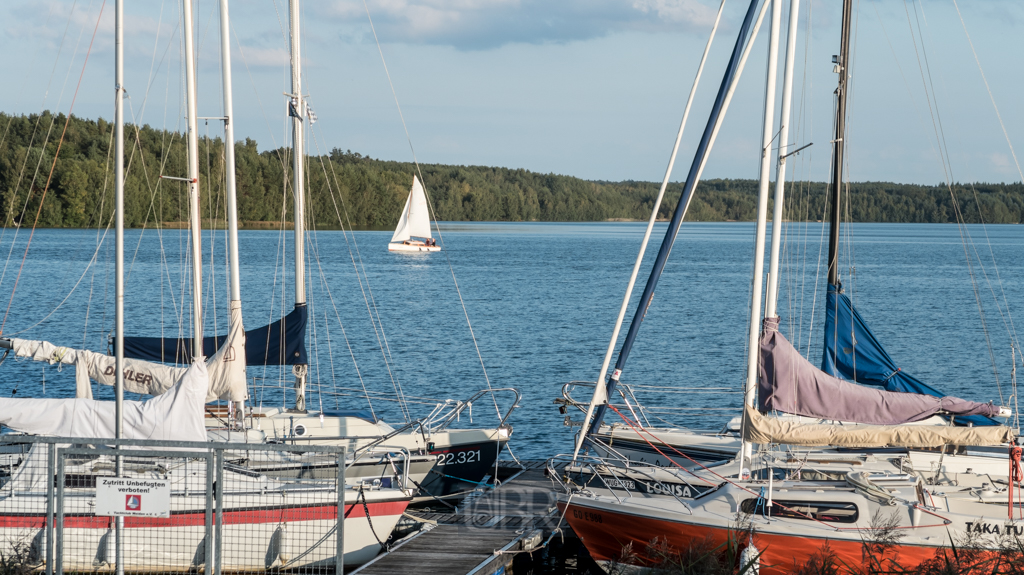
(88, 486)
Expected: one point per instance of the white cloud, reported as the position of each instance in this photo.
(485, 24)
(682, 11)
(76, 23)
(256, 56)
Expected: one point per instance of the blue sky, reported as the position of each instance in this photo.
(590, 88)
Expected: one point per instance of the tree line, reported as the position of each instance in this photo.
(349, 189)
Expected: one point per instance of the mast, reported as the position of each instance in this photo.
(841, 62)
(193, 186)
(767, 135)
(229, 151)
(235, 306)
(741, 50)
(119, 261)
(771, 301)
(119, 218)
(298, 111)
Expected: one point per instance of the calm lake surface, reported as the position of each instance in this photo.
(542, 299)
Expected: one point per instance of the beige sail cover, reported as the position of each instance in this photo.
(226, 368)
(760, 429)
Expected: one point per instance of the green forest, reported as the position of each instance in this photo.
(351, 190)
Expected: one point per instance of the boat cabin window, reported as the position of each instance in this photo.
(833, 511)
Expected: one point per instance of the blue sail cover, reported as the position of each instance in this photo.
(280, 343)
(853, 353)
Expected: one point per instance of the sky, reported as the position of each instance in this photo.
(589, 88)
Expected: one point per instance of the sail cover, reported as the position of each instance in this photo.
(415, 220)
(789, 383)
(760, 429)
(175, 415)
(853, 353)
(226, 368)
(280, 343)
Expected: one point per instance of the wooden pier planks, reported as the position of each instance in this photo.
(447, 549)
(465, 542)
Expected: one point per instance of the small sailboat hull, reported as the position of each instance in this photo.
(412, 246)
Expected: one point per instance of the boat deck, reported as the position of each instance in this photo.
(485, 534)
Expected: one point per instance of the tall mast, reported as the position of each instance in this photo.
(767, 135)
(119, 217)
(772, 299)
(193, 186)
(235, 307)
(229, 151)
(119, 261)
(298, 190)
(841, 62)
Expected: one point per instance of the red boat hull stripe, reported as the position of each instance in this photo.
(191, 519)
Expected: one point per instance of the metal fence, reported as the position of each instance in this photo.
(100, 505)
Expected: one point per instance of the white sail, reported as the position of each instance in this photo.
(226, 367)
(415, 220)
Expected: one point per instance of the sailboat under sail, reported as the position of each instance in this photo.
(413, 231)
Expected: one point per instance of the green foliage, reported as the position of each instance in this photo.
(346, 188)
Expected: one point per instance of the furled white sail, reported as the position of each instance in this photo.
(177, 414)
(415, 220)
(226, 368)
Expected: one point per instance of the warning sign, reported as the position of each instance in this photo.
(126, 497)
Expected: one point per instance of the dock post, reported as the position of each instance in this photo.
(218, 493)
(339, 566)
(211, 558)
(51, 448)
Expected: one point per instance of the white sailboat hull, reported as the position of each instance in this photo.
(412, 246)
(463, 458)
(255, 544)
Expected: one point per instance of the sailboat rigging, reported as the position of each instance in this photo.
(451, 462)
(823, 498)
(177, 415)
(851, 351)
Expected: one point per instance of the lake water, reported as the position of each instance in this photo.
(542, 298)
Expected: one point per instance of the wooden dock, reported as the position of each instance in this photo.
(485, 535)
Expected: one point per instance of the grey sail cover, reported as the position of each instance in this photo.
(791, 384)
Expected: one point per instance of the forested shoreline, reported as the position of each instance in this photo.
(349, 189)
